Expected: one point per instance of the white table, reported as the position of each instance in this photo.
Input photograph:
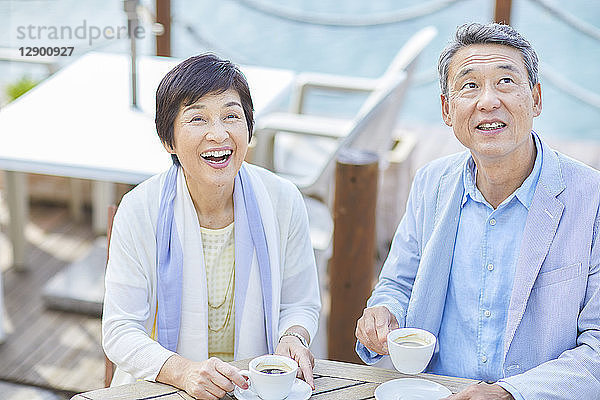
(79, 124)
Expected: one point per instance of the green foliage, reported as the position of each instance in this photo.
(20, 87)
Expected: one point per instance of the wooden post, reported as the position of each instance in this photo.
(502, 11)
(163, 17)
(351, 266)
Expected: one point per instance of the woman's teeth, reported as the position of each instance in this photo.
(216, 155)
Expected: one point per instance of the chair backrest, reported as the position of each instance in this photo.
(109, 367)
(374, 123)
(407, 56)
(372, 130)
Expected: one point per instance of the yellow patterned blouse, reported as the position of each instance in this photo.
(219, 258)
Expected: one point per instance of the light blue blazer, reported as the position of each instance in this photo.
(552, 337)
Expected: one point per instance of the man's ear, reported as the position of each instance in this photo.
(446, 110)
(536, 93)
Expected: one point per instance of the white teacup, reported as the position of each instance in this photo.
(270, 376)
(410, 349)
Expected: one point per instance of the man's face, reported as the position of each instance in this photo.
(490, 105)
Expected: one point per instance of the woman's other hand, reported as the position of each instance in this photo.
(206, 380)
(291, 346)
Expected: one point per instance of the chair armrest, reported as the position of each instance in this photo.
(335, 83)
(308, 125)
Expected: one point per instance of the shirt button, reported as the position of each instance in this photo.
(490, 267)
(483, 359)
(487, 313)
(492, 222)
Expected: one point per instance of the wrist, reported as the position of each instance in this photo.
(296, 335)
(173, 371)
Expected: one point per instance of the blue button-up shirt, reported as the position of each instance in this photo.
(473, 324)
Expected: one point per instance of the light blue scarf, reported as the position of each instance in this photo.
(170, 259)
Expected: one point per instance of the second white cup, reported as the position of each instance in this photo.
(410, 349)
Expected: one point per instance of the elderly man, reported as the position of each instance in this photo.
(498, 253)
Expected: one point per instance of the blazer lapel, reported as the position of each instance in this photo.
(431, 282)
(542, 222)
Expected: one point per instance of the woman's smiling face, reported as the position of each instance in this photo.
(210, 138)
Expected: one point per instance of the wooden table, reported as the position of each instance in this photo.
(334, 380)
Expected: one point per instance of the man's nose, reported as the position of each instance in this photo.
(488, 99)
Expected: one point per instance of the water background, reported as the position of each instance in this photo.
(245, 35)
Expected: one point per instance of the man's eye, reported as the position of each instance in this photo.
(469, 85)
(506, 80)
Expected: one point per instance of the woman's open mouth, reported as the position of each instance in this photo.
(217, 158)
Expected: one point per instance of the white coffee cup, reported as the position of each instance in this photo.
(410, 349)
(271, 377)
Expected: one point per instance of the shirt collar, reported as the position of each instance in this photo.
(524, 193)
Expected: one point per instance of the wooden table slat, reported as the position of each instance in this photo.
(334, 380)
(329, 383)
(366, 373)
(356, 392)
(138, 391)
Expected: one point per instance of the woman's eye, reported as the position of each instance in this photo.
(197, 119)
(230, 116)
(506, 80)
(469, 85)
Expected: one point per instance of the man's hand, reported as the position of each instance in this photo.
(291, 346)
(372, 328)
(482, 391)
(205, 380)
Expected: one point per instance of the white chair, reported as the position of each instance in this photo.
(370, 130)
(307, 145)
(405, 60)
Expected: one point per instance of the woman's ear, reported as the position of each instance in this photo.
(168, 147)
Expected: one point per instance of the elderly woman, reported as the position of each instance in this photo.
(211, 260)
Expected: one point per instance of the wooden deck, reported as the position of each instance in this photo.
(46, 348)
(61, 350)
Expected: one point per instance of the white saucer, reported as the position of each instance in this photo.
(411, 389)
(300, 391)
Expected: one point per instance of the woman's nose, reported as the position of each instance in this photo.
(217, 132)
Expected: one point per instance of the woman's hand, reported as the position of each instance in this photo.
(291, 346)
(206, 380)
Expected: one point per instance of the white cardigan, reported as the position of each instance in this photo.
(130, 296)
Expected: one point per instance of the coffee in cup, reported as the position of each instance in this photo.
(410, 349)
(271, 376)
(411, 340)
(273, 369)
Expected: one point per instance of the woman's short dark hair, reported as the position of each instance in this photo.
(189, 81)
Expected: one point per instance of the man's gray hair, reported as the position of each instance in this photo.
(476, 33)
